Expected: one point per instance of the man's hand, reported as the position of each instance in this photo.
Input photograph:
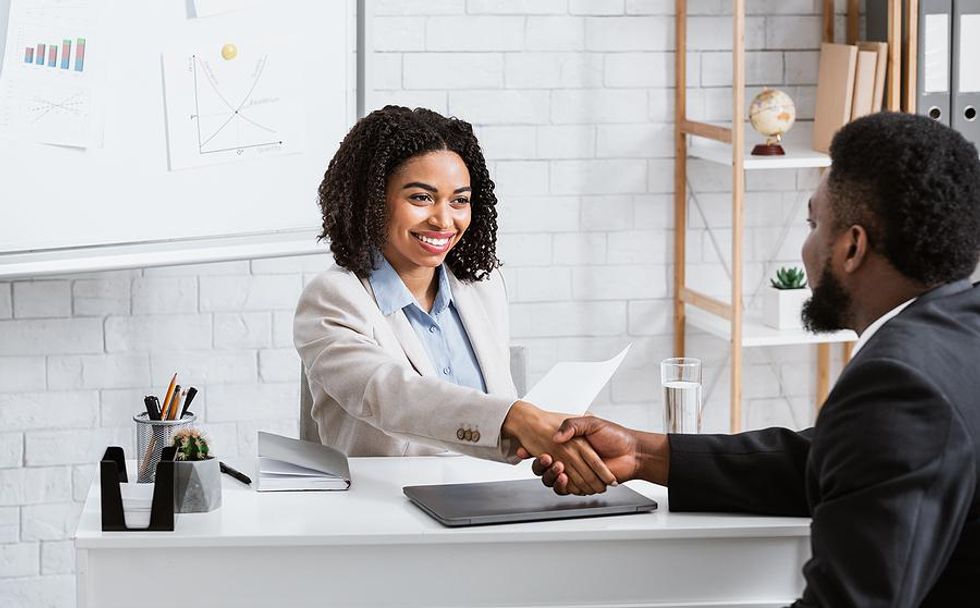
(535, 430)
(627, 453)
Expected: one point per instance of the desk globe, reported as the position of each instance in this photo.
(772, 114)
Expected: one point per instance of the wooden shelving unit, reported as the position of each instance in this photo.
(727, 146)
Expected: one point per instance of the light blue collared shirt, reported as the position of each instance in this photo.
(441, 331)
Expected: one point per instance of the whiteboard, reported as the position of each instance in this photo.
(120, 204)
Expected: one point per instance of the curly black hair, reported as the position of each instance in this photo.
(352, 193)
(914, 185)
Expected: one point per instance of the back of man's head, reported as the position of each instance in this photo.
(914, 185)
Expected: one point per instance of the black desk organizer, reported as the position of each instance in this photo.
(112, 470)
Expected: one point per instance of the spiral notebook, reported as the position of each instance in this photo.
(287, 464)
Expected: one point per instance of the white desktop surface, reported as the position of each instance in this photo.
(370, 546)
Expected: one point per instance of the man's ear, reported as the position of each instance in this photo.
(855, 243)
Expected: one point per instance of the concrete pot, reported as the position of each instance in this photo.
(781, 307)
(197, 485)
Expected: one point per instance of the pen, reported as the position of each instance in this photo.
(242, 477)
(191, 392)
(150, 409)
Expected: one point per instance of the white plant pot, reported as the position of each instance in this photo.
(197, 485)
(781, 307)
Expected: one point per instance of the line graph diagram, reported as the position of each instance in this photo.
(224, 126)
(73, 107)
(224, 109)
(50, 114)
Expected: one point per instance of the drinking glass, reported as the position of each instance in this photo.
(681, 379)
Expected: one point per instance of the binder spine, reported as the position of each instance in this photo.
(965, 69)
(933, 65)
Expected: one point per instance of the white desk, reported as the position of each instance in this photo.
(370, 547)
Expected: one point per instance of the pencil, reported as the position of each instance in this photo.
(170, 404)
(178, 399)
(170, 393)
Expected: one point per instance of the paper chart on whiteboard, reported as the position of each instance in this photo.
(52, 72)
(231, 101)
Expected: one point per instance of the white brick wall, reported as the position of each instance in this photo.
(573, 103)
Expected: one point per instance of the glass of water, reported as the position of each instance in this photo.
(681, 379)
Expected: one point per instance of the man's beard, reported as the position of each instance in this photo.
(828, 309)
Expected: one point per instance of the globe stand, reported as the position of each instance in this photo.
(768, 150)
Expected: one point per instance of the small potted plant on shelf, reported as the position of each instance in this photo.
(784, 300)
(197, 474)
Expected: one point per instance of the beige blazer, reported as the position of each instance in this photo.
(375, 392)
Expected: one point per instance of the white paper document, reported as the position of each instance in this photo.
(53, 71)
(570, 387)
(209, 8)
(231, 99)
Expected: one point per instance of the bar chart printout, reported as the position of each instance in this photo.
(52, 76)
(52, 54)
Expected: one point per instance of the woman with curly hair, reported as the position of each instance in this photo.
(405, 339)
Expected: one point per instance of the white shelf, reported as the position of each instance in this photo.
(796, 143)
(755, 333)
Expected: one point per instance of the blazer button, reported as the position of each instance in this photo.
(460, 434)
(468, 435)
(476, 436)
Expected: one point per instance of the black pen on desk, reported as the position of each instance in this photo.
(191, 393)
(242, 477)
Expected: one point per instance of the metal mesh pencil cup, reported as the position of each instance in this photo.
(151, 437)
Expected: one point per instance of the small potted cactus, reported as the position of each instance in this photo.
(784, 300)
(197, 474)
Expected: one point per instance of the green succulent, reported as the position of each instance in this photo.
(789, 278)
(191, 445)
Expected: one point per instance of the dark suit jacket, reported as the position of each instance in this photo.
(889, 472)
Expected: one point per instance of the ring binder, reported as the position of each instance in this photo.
(112, 470)
(965, 100)
(934, 64)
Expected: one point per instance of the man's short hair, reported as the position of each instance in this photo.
(914, 185)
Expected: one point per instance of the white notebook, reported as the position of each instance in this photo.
(293, 464)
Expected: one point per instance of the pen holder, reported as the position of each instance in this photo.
(151, 437)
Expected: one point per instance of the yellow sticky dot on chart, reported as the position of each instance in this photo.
(229, 51)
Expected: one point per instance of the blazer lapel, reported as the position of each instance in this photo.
(407, 338)
(489, 351)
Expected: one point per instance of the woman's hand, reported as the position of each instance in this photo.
(534, 430)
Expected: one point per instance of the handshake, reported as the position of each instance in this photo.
(585, 455)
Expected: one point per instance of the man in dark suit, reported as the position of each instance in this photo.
(890, 472)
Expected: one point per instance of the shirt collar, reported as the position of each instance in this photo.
(392, 295)
(874, 327)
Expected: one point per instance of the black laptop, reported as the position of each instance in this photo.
(502, 502)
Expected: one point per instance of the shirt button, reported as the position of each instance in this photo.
(432, 329)
(446, 371)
